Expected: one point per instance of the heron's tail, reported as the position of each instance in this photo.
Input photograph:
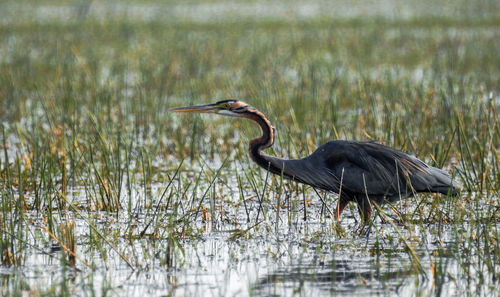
(447, 190)
(444, 183)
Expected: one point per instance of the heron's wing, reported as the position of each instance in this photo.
(363, 168)
(374, 169)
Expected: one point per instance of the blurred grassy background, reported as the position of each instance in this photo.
(408, 80)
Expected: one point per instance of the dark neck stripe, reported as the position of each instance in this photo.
(267, 138)
(265, 141)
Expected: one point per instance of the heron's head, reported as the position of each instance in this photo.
(230, 107)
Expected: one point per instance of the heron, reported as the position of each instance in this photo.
(361, 172)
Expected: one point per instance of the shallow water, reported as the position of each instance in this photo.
(292, 257)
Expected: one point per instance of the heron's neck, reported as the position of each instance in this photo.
(263, 142)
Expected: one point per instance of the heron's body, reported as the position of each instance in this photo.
(361, 172)
(364, 168)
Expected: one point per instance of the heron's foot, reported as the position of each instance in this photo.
(364, 229)
(365, 226)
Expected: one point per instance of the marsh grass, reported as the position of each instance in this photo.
(96, 173)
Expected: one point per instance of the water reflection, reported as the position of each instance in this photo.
(357, 276)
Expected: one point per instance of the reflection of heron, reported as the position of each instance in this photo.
(362, 172)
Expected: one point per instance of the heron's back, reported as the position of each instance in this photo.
(366, 168)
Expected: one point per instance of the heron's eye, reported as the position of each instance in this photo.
(227, 106)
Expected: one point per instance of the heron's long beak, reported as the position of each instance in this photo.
(208, 108)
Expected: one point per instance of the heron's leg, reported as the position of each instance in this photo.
(340, 207)
(365, 209)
